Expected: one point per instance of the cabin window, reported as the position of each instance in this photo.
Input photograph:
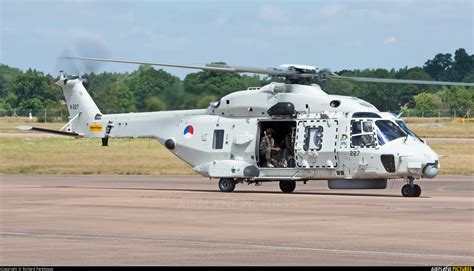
(218, 140)
(362, 134)
(314, 138)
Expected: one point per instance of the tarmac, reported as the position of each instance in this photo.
(185, 220)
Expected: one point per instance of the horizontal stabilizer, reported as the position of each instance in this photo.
(44, 130)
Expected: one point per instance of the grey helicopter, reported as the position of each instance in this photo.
(343, 140)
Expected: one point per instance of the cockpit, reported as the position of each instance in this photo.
(370, 130)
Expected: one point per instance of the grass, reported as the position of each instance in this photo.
(61, 155)
(443, 129)
(9, 124)
(87, 156)
(456, 157)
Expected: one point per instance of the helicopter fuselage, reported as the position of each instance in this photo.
(341, 139)
(222, 141)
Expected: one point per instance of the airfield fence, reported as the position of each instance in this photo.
(40, 115)
(61, 114)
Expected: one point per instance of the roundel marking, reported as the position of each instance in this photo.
(188, 131)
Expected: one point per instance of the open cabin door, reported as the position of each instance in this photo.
(283, 138)
(316, 141)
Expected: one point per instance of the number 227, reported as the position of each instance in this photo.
(354, 153)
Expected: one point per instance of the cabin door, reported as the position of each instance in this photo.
(316, 142)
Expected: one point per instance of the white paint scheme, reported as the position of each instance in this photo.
(240, 114)
(80, 105)
(239, 103)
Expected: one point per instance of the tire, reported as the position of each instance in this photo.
(417, 190)
(287, 186)
(408, 190)
(226, 185)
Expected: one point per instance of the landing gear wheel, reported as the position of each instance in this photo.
(287, 186)
(409, 190)
(226, 185)
(417, 190)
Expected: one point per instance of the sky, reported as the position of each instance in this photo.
(326, 34)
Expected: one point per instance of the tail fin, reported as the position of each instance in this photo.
(82, 110)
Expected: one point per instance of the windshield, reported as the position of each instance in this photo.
(388, 131)
(407, 130)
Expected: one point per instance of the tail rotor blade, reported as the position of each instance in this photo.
(81, 46)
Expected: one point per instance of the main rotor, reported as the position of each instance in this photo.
(292, 73)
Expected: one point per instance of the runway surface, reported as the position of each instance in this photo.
(184, 220)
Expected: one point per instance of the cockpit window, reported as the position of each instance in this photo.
(407, 130)
(356, 128)
(367, 125)
(362, 134)
(388, 131)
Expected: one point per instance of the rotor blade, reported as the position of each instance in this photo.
(400, 81)
(265, 71)
(216, 68)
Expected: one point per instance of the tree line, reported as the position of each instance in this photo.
(150, 89)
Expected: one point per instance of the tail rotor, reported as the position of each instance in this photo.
(83, 45)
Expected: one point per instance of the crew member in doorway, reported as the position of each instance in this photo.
(267, 147)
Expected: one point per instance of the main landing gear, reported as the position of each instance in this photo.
(287, 186)
(226, 185)
(410, 189)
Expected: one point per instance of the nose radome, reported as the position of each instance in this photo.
(430, 171)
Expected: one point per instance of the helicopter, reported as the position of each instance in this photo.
(344, 140)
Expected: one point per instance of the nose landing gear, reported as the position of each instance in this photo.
(410, 189)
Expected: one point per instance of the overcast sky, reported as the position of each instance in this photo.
(327, 34)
